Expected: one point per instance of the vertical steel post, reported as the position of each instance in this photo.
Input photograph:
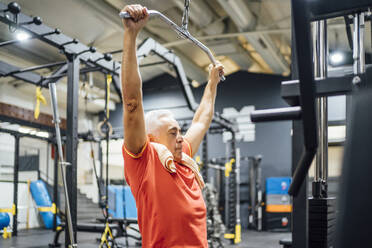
(55, 186)
(300, 234)
(320, 54)
(356, 51)
(362, 59)
(300, 220)
(72, 138)
(232, 189)
(15, 184)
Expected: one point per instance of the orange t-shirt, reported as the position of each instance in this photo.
(171, 208)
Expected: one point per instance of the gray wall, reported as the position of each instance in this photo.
(273, 140)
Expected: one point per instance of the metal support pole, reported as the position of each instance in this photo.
(15, 183)
(53, 95)
(300, 234)
(100, 158)
(300, 220)
(258, 187)
(362, 59)
(55, 186)
(253, 190)
(72, 139)
(320, 53)
(38, 67)
(232, 189)
(237, 224)
(356, 45)
(227, 181)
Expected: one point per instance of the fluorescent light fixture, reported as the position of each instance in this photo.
(24, 130)
(195, 83)
(336, 58)
(42, 134)
(22, 36)
(240, 13)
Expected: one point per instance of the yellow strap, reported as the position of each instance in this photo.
(6, 210)
(39, 98)
(228, 167)
(199, 162)
(229, 236)
(238, 232)
(104, 236)
(52, 209)
(9, 210)
(108, 82)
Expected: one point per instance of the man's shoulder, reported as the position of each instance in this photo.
(146, 151)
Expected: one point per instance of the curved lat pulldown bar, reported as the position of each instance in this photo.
(181, 31)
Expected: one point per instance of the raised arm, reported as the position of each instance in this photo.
(204, 114)
(134, 123)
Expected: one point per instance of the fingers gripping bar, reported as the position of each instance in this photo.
(184, 33)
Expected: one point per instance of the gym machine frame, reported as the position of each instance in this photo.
(232, 188)
(17, 136)
(304, 92)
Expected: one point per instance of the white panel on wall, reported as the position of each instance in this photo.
(25, 203)
(337, 108)
(246, 128)
(115, 153)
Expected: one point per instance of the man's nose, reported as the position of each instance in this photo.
(179, 138)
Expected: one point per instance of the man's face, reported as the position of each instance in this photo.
(169, 134)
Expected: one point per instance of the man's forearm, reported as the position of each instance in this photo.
(205, 111)
(131, 80)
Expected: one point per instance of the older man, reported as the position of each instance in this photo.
(157, 158)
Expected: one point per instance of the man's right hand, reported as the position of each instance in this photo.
(139, 18)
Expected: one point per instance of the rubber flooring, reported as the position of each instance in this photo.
(39, 238)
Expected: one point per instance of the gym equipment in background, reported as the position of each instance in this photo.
(306, 96)
(44, 204)
(278, 204)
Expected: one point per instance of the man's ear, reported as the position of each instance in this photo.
(151, 138)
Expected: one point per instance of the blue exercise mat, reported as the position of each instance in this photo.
(4, 220)
(121, 202)
(42, 199)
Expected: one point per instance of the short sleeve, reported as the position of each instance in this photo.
(135, 166)
(186, 147)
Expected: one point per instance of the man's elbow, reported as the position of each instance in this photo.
(131, 104)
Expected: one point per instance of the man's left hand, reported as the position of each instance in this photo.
(216, 72)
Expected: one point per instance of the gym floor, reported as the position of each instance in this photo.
(39, 238)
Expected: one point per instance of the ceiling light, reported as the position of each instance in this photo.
(42, 134)
(195, 83)
(22, 36)
(336, 58)
(24, 130)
